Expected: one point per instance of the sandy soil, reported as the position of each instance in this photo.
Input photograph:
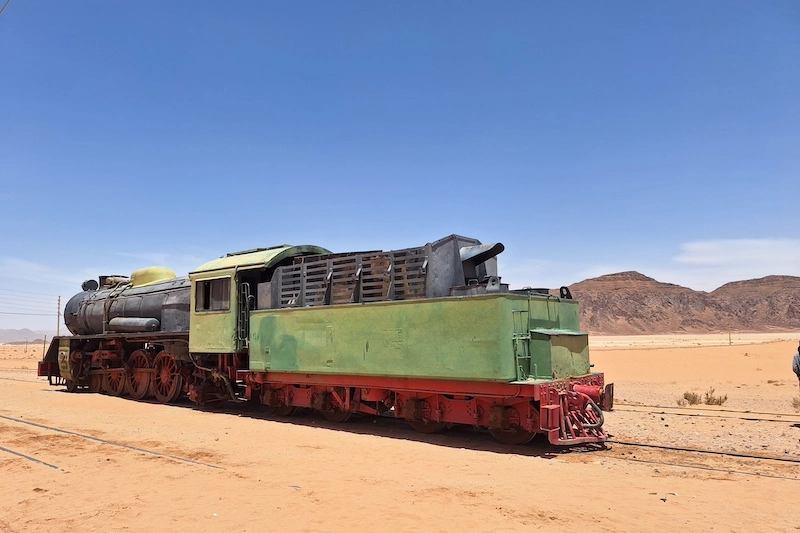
(111, 464)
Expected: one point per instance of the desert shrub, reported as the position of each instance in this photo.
(710, 399)
(796, 403)
(692, 398)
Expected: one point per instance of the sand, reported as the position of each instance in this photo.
(112, 464)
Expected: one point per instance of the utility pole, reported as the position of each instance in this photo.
(58, 317)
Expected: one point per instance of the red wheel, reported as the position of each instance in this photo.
(95, 382)
(337, 416)
(75, 368)
(426, 425)
(516, 434)
(137, 383)
(284, 410)
(114, 382)
(512, 436)
(167, 382)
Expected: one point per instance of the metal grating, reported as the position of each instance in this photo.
(409, 273)
(353, 278)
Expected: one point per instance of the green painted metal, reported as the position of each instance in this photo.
(216, 331)
(263, 258)
(64, 350)
(558, 353)
(213, 331)
(472, 338)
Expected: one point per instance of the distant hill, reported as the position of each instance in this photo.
(630, 303)
(17, 336)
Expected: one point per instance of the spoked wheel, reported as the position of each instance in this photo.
(426, 426)
(114, 382)
(167, 382)
(337, 416)
(137, 382)
(75, 367)
(512, 436)
(95, 382)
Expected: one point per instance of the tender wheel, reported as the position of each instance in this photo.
(426, 426)
(337, 416)
(512, 436)
(284, 410)
(167, 382)
(137, 382)
(114, 382)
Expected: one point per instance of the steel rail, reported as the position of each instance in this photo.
(747, 412)
(704, 451)
(29, 458)
(111, 443)
(709, 468)
(711, 414)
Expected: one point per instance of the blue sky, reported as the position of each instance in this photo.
(588, 137)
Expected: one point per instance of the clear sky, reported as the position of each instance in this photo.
(588, 137)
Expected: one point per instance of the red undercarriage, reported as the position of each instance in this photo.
(565, 410)
(568, 411)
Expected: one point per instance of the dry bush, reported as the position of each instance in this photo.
(710, 399)
(692, 398)
(796, 403)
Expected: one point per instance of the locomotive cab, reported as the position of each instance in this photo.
(224, 291)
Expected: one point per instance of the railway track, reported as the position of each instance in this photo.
(26, 375)
(713, 455)
(751, 416)
(105, 442)
(745, 464)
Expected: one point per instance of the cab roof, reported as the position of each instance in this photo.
(260, 257)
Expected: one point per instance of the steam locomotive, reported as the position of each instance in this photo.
(428, 334)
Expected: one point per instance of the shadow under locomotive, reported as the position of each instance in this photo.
(456, 436)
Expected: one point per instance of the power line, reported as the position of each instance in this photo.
(27, 298)
(26, 292)
(4, 6)
(25, 302)
(29, 314)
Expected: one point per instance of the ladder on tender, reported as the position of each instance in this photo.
(521, 340)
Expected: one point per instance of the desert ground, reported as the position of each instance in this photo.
(88, 462)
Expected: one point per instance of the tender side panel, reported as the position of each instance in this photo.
(474, 338)
(441, 338)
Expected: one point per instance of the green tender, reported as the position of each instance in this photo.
(499, 337)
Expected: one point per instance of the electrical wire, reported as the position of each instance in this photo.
(29, 314)
(27, 292)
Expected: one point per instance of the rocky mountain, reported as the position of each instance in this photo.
(630, 303)
(19, 336)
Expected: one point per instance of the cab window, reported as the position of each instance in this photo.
(213, 295)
